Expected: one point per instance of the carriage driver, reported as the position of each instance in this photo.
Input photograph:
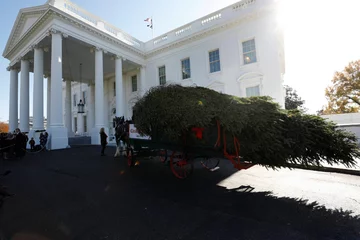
(17, 131)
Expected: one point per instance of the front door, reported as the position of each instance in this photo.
(75, 125)
(85, 124)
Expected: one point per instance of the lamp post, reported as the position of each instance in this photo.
(80, 107)
(80, 104)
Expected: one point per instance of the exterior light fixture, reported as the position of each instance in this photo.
(80, 104)
(80, 107)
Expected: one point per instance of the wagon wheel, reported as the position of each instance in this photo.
(130, 157)
(210, 163)
(163, 155)
(181, 165)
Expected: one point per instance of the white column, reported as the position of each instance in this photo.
(38, 91)
(59, 136)
(119, 98)
(13, 100)
(24, 96)
(99, 89)
(48, 104)
(68, 117)
(124, 100)
(90, 107)
(99, 96)
(107, 88)
(142, 81)
(56, 83)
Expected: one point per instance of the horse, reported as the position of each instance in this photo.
(121, 134)
(13, 145)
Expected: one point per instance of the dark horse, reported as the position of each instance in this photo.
(13, 145)
(121, 133)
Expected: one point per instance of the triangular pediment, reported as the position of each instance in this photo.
(29, 20)
(26, 18)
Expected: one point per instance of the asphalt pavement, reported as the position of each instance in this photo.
(77, 194)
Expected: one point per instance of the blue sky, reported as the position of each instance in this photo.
(319, 39)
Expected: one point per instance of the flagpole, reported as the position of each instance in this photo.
(152, 29)
(150, 25)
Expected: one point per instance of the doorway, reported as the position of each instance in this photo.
(85, 124)
(75, 125)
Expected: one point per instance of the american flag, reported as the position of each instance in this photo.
(150, 24)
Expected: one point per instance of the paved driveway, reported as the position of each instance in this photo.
(76, 194)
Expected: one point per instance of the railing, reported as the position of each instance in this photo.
(233, 11)
(210, 19)
(183, 30)
(161, 39)
(243, 4)
(97, 22)
(70, 7)
(129, 40)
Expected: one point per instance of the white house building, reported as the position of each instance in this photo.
(237, 50)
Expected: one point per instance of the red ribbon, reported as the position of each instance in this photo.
(198, 132)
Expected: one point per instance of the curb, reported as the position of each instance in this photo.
(328, 169)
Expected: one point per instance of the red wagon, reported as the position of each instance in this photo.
(209, 145)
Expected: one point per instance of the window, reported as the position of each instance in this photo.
(185, 68)
(249, 51)
(162, 75)
(253, 91)
(134, 83)
(74, 98)
(114, 89)
(214, 61)
(84, 97)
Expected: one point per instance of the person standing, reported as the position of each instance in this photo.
(32, 144)
(103, 141)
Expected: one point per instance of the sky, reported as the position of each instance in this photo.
(321, 36)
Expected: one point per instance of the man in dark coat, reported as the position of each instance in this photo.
(103, 141)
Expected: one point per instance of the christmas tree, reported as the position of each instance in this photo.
(268, 135)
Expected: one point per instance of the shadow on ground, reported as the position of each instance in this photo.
(76, 194)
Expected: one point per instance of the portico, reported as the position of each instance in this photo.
(55, 53)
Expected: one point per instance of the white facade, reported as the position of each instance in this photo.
(344, 118)
(237, 50)
(347, 121)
